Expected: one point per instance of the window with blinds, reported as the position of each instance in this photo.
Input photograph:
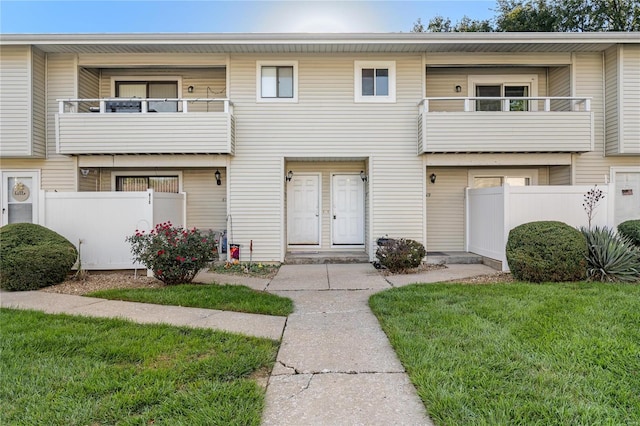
(142, 183)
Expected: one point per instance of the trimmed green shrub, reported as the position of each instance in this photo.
(547, 251)
(612, 258)
(32, 257)
(631, 230)
(398, 255)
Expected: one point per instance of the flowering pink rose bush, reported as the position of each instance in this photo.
(175, 255)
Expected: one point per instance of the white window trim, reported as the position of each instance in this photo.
(176, 78)
(530, 80)
(260, 64)
(532, 174)
(357, 81)
(154, 172)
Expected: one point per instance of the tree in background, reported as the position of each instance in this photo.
(546, 15)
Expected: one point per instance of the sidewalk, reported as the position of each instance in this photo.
(235, 322)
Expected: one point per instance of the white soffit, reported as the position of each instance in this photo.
(321, 43)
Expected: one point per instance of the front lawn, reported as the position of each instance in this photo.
(225, 297)
(502, 354)
(69, 370)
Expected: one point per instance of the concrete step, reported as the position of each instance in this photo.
(319, 257)
(453, 258)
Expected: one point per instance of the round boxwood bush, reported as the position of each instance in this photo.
(547, 251)
(32, 257)
(631, 230)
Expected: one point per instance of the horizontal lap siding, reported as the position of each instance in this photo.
(560, 86)
(38, 104)
(508, 132)
(206, 201)
(14, 105)
(631, 101)
(324, 124)
(612, 101)
(59, 171)
(445, 209)
(560, 175)
(143, 133)
(593, 167)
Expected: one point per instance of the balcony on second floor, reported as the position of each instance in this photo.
(145, 126)
(505, 125)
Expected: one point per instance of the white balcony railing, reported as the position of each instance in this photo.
(505, 124)
(109, 105)
(520, 104)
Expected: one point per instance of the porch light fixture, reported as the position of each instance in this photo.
(84, 172)
(289, 176)
(190, 89)
(364, 177)
(458, 88)
(218, 176)
(432, 177)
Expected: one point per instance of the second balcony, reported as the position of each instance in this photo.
(145, 126)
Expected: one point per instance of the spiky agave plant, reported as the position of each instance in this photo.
(611, 257)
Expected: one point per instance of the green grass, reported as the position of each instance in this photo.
(68, 370)
(225, 297)
(519, 354)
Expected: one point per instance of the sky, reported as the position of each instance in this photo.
(118, 16)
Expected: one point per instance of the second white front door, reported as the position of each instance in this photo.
(303, 210)
(348, 210)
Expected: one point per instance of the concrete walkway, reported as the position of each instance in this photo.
(335, 365)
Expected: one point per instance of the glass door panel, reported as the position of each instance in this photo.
(163, 90)
(494, 91)
(517, 92)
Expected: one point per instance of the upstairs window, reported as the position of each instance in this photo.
(375, 81)
(277, 81)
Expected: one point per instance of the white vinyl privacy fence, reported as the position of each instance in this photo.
(492, 212)
(101, 221)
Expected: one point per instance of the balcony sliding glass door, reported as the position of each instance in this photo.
(150, 89)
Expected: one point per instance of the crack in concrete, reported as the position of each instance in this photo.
(326, 266)
(289, 367)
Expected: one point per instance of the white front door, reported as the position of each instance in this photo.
(303, 210)
(348, 210)
(19, 201)
(627, 196)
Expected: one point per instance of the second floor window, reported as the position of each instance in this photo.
(277, 82)
(374, 81)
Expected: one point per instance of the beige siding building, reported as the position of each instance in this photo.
(295, 144)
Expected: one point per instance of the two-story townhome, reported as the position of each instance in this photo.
(298, 143)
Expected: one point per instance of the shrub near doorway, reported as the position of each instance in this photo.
(547, 251)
